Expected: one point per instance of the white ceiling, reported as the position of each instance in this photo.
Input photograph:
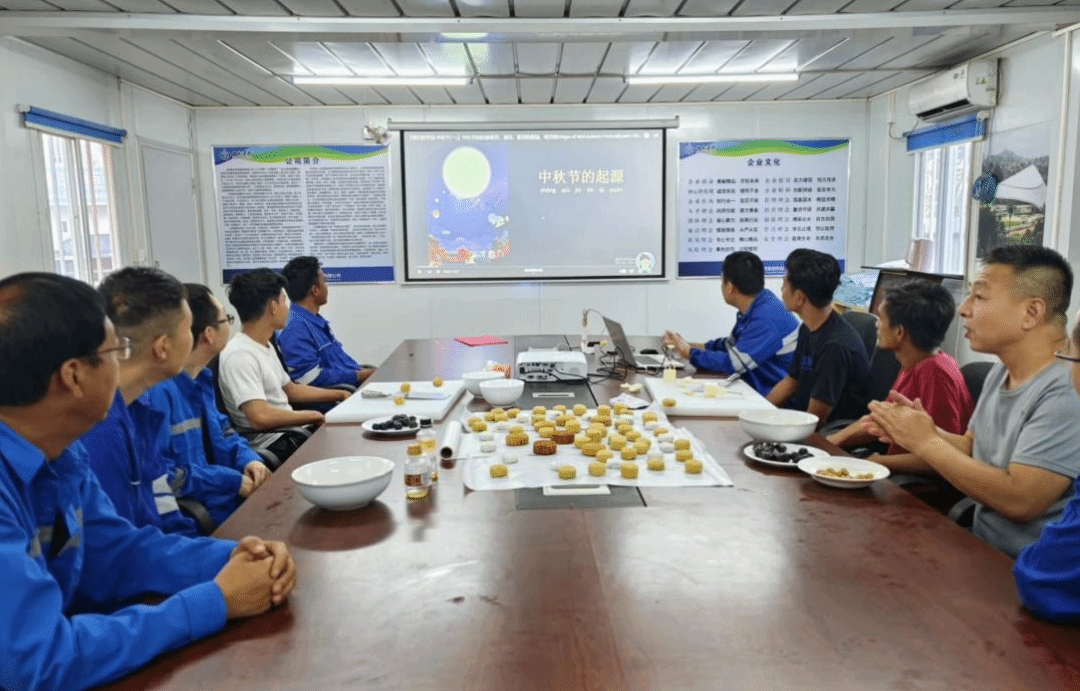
(245, 52)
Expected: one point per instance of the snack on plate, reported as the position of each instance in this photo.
(405, 387)
(651, 425)
(681, 444)
(515, 429)
(580, 440)
(604, 420)
(624, 427)
(668, 402)
(539, 410)
(617, 442)
(478, 426)
(683, 455)
(437, 382)
(844, 474)
(487, 446)
(621, 408)
(605, 455)
(499, 470)
(597, 469)
(509, 457)
(561, 408)
(633, 435)
(573, 426)
(563, 437)
(629, 453)
(694, 467)
(712, 391)
(562, 420)
(642, 445)
(650, 415)
(491, 416)
(502, 426)
(545, 431)
(591, 448)
(513, 412)
(661, 431)
(629, 470)
(666, 437)
(544, 447)
(399, 400)
(656, 462)
(567, 472)
(594, 434)
(579, 409)
(603, 409)
(517, 439)
(487, 436)
(666, 447)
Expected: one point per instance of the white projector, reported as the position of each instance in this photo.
(552, 365)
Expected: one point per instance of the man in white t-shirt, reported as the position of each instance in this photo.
(257, 391)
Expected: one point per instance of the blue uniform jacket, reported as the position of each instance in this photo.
(760, 347)
(216, 472)
(312, 353)
(64, 553)
(1048, 571)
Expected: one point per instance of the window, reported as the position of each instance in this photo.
(940, 218)
(82, 208)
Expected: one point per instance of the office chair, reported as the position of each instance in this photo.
(865, 324)
(974, 374)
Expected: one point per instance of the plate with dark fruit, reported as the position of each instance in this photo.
(781, 455)
(399, 425)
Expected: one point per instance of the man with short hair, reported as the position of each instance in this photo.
(66, 558)
(199, 435)
(1021, 452)
(149, 308)
(257, 391)
(830, 373)
(912, 323)
(312, 354)
(762, 344)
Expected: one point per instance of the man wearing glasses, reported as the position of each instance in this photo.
(200, 435)
(1021, 453)
(66, 558)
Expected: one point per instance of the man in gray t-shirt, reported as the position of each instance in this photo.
(1021, 453)
(1036, 424)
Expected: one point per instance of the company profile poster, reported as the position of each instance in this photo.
(766, 196)
(331, 202)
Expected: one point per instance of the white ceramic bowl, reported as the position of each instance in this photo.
(472, 379)
(778, 425)
(854, 466)
(501, 391)
(343, 483)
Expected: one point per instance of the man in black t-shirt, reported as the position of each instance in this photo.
(829, 376)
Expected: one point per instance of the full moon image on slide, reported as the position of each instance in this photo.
(468, 220)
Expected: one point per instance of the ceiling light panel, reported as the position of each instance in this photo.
(582, 58)
(447, 58)
(537, 58)
(484, 8)
(492, 58)
(669, 57)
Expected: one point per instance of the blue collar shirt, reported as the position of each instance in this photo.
(313, 355)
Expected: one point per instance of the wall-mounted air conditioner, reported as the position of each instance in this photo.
(965, 89)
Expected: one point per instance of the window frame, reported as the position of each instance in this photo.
(949, 215)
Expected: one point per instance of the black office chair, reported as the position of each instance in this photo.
(865, 324)
(974, 375)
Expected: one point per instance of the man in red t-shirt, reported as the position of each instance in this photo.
(913, 320)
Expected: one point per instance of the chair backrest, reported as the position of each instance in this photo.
(884, 368)
(974, 374)
(215, 369)
(865, 324)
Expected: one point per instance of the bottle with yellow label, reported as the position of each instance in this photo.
(429, 444)
(417, 474)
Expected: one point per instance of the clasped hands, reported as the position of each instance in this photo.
(901, 421)
(259, 575)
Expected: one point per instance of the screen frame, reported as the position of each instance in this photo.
(527, 127)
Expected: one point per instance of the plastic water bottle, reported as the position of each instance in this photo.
(417, 474)
(429, 445)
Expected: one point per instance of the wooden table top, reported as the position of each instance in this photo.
(777, 583)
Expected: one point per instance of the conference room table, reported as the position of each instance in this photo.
(776, 583)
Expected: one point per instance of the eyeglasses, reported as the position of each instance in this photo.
(123, 351)
(229, 319)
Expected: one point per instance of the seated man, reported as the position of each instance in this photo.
(258, 393)
(1021, 452)
(913, 320)
(829, 375)
(199, 434)
(66, 558)
(129, 448)
(1046, 571)
(312, 353)
(762, 344)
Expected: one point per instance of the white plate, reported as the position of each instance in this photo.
(369, 426)
(815, 452)
(855, 466)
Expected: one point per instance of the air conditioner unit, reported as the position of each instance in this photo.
(959, 91)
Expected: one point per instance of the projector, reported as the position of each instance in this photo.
(552, 365)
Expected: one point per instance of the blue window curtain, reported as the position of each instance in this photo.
(952, 132)
(50, 121)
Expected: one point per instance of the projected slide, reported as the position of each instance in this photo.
(534, 205)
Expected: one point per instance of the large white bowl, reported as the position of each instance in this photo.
(778, 425)
(501, 391)
(343, 483)
(472, 379)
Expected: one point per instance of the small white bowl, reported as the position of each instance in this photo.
(501, 391)
(778, 425)
(344, 483)
(472, 379)
(854, 466)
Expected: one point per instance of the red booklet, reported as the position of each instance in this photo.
(480, 340)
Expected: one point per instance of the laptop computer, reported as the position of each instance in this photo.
(654, 362)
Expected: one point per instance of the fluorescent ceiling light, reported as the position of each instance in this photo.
(382, 81)
(712, 78)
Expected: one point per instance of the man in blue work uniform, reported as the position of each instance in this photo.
(66, 558)
(128, 450)
(199, 435)
(762, 343)
(312, 354)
